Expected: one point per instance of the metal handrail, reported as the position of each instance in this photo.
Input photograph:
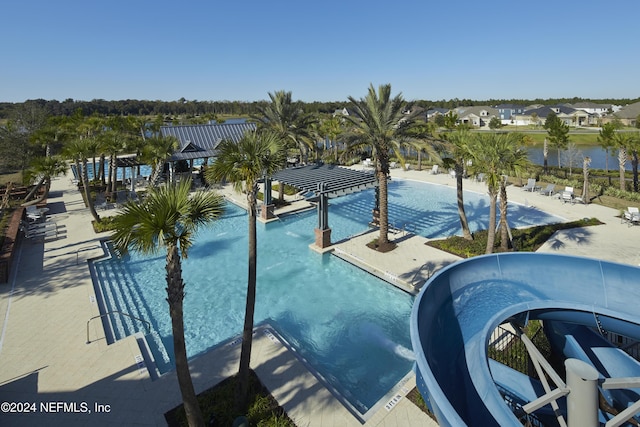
(148, 324)
(413, 279)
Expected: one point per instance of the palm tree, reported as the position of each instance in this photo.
(244, 163)
(621, 141)
(169, 217)
(113, 143)
(42, 170)
(288, 120)
(156, 152)
(459, 141)
(377, 124)
(605, 138)
(497, 154)
(80, 149)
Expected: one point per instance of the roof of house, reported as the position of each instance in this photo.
(544, 111)
(630, 111)
(476, 110)
(201, 141)
(580, 105)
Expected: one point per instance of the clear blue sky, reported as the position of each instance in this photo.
(320, 51)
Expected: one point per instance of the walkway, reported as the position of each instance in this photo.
(44, 310)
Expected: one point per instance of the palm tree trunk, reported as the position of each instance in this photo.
(585, 174)
(505, 242)
(634, 167)
(175, 298)
(35, 189)
(622, 161)
(491, 230)
(466, 233)
(247, 331)
(545, 152)
(383, 239)
(87, 192)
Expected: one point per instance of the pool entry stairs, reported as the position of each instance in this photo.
(123, 313)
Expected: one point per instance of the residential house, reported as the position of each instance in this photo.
(508, 111)
(432, 112)
(478, 116)
(628, 114)
(592, 108)
(569, 116)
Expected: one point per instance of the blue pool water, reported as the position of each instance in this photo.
(349, 326)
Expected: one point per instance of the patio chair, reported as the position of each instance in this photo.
(480, 177)
(631, 216)
(549, 190)
(567, 195)
(531, 185)
(434, 170)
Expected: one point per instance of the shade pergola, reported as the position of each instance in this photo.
(323, 181)
(337, 180)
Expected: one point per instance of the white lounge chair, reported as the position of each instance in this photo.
(434, 170)
(567, 195)
(481, 177)
(631, 215)
(549, 190)
(531, 185)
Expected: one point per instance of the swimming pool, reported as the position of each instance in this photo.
(348, 325)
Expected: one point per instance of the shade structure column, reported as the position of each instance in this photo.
(267, 206)
(323, 232)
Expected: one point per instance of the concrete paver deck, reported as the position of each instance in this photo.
(44, 311)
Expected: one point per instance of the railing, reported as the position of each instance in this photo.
(148, 325)
(413, 279)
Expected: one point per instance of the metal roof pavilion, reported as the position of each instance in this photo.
(337, 180)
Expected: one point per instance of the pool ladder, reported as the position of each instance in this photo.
(147, 324)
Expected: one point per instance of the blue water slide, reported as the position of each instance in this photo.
(460, 306)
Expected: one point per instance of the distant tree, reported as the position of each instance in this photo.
(439, 120)
(450, 120)
(535, 120)
(638, 121)
(572, 156)
(495, 123)
(558, 133)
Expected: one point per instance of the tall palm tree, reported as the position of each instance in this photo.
(42, 169)
(244, 163)
(621, 141)
(288, 120)
(377, 124)
(113, 143)
(169, 218)
(605, 139)
(495, 155)
(459, 141)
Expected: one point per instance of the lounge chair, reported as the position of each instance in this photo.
(631, 216)
(480, 177)
(531, 185)
(434, 170)
(567, 195)
(549, 190)
(452, 173)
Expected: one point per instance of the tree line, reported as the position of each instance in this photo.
(245, 108)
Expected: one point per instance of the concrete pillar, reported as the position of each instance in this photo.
(582, 400)
(323, 238)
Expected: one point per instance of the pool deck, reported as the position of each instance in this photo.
(44, 310)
